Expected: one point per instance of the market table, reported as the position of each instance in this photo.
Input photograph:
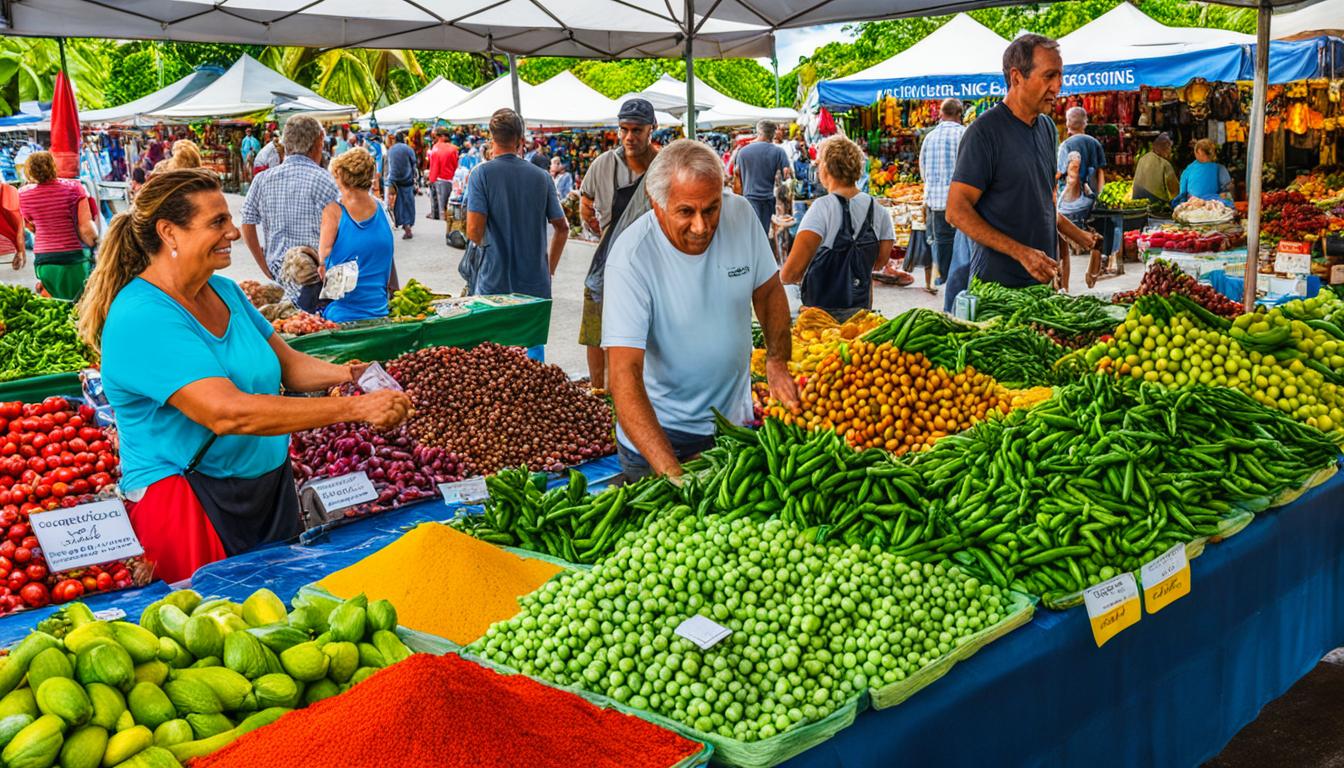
(1172, 690)
(521, 325)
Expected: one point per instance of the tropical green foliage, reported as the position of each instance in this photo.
(28, 68)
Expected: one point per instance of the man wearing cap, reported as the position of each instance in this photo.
(612, 196)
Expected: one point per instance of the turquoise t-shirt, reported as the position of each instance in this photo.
(152, 347)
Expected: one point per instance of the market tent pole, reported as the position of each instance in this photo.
(1255, 151)
(774, 64)
(513, 82)
(690, 68)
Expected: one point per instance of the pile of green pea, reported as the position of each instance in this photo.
(813, 625)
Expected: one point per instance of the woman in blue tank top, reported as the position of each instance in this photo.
(357, 229)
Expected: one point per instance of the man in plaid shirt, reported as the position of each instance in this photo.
(287, 200)
(937, 160)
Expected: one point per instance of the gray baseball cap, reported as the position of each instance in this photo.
(637, 111)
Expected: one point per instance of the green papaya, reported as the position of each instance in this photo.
(37, 745)
(151, 757)
(173, 732)
(11, 725)
(279, 637)
(190, 750)
(192, 696)
(276, 690)
(149, 619)
(21, 656)
(79, 614)
(139, 642)
(64, 698)
(381, 615)
(347, 622)
(205, 726)
(108, 705)
(87, 635)
(344, 660)
(362, 674)
(309, 619)
(125, 722)
(390, 646)
(151, 672)
(185, 600)
(203, 637)
(369, 656)
(229, 686)
(263, 607)
(20, 702)
(249, 703)
(244, 654)
(272, 660)
(208, 661)
(305, 662)
(217, 606)
(150, 706)
(50, 663)
(84, 748)
(174, 622)
(127, 744)
(105, 663)
(322, 689)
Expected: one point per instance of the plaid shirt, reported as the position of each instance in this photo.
(287, 202)
(937, 160)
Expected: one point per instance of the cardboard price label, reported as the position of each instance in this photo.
(1166, 579)
(344, 491)
(88, 534)
(1112, 606)
(703, 632)
(468, 491)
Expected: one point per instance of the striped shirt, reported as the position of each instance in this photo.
(287, 202)
(937, 160)
(52, 210)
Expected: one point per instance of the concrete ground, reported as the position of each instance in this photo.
(1300, 728)
(426, 258)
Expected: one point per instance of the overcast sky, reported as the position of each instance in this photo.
(790, 44)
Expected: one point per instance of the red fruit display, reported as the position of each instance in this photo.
(1165, 279)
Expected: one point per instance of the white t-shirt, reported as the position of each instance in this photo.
(690, 314)
(823, 218)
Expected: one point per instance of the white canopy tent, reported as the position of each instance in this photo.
(729, 112)
(562, 101)
(250, 87)
(477, 106)
(1125, 32)
(424, 104)
(135, 112)
(1323, 18)
(962, 46)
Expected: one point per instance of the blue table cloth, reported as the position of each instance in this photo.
(1172, 690)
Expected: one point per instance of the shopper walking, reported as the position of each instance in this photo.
(613, 196)
(1091, 168)
(443, 162)
(681, 284)
(248, 148)
(57, 212)
(11, 228)
(843, 239)
(509, 203)
(937, 161)
(758, 166)
(287, 201)
(269, 156)
(204, 430)
(402, 174)
(356, 230)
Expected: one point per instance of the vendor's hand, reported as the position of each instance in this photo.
(782, 386)
(383, 409)
(1040, 266)
(20, 259)
(356, 369)
(322, 272)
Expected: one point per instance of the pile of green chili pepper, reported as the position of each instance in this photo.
(1070, 321)
(1014, 355)
(1104, 477)
(37, 335)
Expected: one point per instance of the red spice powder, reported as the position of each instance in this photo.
(445, 711)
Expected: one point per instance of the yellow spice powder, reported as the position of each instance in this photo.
(443, 582)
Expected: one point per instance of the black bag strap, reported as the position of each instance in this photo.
(200, 453)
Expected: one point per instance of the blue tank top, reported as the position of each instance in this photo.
(368, 243)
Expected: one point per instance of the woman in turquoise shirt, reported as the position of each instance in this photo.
(357, 228)
(194, 374)
(1205, 178)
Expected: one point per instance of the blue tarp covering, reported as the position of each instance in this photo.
(1298, 59)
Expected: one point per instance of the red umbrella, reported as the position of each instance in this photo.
(65, 139)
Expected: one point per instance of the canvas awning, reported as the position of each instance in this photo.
(133, 112)
(424, 104)
(250, 87)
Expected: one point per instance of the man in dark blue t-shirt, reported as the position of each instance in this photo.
(758, 166)
(1003, 190)
(509, 203)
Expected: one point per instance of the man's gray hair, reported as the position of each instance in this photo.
(301, 133)
(766, 128)
(1076, 118)
(1162, 140)
(683, 157)
(952, 107)
(1021, 55)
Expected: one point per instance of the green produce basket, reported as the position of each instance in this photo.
(1024, 607)
(35, 388)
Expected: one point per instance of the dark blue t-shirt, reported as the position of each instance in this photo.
(1013, 165)
(518, 200)
(1092, 159)
(757, 164)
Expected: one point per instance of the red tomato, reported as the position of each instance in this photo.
(80, 485)
(36, 571)
(16, 580)
(27, 451)
(98, 445)
(77, 445)
(99, 479)
(85, 411)
(50, 504)
(90, 584)
(42, 491)
(69, 433)
(11, 409)
(90, 434)
(37, 464)
(50, 450)
(7, 548)
(23, 555)
(34, 595)
(44, 423)
(104, 581)
(65, 474)
(60, 417)
(39, 441)
(60, 490)
(9, 515)
(69, 501)
(30, 541)
(55, 403)
(67, 590)
(67, 459)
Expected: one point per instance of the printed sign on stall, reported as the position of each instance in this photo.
(344, 491)
(702, 631)
(89, 534)
(1112, 606)
(1166, 578)
(468, 491)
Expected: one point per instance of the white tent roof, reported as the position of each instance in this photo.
(728, 111)
(962, 46)
(1323, 18)
(477, 106)
(1125, 33)
(248, 87)
(132, 111)
(561, 101)
(423, 104)
(666, 103)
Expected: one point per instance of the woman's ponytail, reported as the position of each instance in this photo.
(132, 240)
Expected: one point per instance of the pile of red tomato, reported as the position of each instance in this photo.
(52, 454)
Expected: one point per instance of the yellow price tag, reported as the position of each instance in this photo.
(1112, 606)
(1166, 578)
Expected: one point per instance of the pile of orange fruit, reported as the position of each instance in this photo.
(877, 396)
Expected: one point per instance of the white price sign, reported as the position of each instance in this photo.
(472, 489)
(88, 534)
(702, 631)
(344, 491)
(1292, 263)
(376, 377)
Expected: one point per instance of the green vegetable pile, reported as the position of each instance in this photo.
(814, 625)
(1118, 196)
(412, 300)
(186, 681)
(1070, 321)
(1105, 476)
(1014, 355)
(37, 335)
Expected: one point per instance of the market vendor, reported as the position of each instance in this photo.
(843, 239)
(680, 285)
(1206, 178)
(194, 374)
(1154, 176)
